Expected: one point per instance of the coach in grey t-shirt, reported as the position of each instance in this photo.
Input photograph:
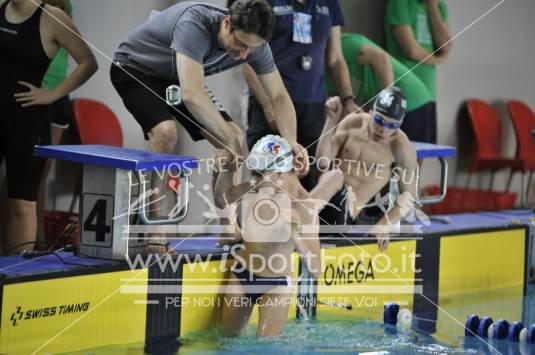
(183, 44)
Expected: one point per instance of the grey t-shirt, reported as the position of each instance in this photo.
(189, 28)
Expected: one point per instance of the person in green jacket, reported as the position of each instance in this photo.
(415, 29)
(371, 70)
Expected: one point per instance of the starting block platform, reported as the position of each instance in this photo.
(115, 157)
(116, 194)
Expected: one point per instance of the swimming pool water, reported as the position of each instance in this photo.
(351, 334)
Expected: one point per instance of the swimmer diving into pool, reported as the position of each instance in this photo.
(370, 149)
(275, 209)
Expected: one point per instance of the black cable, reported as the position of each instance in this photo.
(65, 232)
(38, 254)
(80, 255)
(66, 262)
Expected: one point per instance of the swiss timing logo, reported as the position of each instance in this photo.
(17, 315)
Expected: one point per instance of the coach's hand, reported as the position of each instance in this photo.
(301, 162)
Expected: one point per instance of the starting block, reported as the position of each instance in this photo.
(114, 195)
(440, 152)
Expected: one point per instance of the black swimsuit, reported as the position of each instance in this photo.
(22, 58)
(256, 286)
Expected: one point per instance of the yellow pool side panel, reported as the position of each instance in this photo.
(41, 316)
(365, 278)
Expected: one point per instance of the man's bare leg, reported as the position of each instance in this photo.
(162, 139)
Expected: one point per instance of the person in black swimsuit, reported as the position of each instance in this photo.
(31, 34)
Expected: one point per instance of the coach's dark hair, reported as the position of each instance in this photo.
(253, 16)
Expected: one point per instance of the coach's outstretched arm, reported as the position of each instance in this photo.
(195, 98)
(279, 111)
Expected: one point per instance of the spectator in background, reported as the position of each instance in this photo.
(61, 111)
(305, 44)
(31, 34)
(372, 69)
(414, 30)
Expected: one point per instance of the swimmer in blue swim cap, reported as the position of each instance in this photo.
(277, 216)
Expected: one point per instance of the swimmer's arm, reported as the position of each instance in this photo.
(334, 137)
(307, 243)
(260, 94)
(329, 184)
(226, 193)
(327, 147)
(195, 98)
(406, 169)
(379, 61)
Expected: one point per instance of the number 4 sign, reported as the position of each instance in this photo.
(97, 214)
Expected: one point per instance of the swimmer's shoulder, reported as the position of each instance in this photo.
(355, 120)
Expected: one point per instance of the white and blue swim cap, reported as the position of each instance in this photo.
(271, 153)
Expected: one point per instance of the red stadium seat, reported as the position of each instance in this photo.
(96, 123)
(524, 124)
(488, 133)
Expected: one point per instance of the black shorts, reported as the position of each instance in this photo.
(144, 98)
(310, 120)
(20, 130)
(256, 286)
(62, 113)
(420, 125)
(336, 213)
